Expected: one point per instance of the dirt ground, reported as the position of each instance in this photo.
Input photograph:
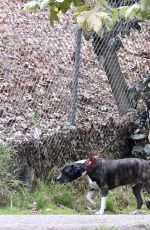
(72, 222)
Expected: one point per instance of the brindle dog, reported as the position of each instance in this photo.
(109, 174)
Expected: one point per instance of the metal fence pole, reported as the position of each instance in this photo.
(74, 93)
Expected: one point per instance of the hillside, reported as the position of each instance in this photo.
(36, 66)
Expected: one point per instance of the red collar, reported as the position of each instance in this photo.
(90, 163)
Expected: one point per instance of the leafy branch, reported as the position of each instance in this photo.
(91, 14)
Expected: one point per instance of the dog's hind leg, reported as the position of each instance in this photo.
(90, 196)
(147, 188)
(137, 193)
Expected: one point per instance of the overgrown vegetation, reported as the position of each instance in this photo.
(8, 182)
(93, 14)
(66, 199)
(51, 197)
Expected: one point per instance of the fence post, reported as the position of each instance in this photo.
(70, 124)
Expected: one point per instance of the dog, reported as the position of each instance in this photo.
(106, 174)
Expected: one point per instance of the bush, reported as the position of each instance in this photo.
(41, 195)
(64, 196)
(6, 154)
(111, 204)
(8, 182)
(45, 195)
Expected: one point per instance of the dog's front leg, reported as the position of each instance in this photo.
(103, 206)
(103, 203)
(90, 197)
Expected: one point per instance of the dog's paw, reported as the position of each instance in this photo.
(100, 212)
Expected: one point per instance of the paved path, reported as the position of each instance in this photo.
(73, 222)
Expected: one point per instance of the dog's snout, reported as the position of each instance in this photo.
(61, 179)
(58, 178)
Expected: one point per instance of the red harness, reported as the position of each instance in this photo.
(91, 161)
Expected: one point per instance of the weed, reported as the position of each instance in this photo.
(7, 180)
(6, 154)
(33, 116)
(111, 205)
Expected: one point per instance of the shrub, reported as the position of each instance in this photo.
(111, 204)
(8, 182)
(63, 195)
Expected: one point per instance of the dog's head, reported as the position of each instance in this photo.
(71, 172)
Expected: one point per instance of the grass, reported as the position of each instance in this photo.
(52, 197)
(51, 209)
(55, 198)
(8, 182)
(6, 154)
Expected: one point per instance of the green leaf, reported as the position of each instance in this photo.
(80, 9)
(44, 4)
(78, 3)
(94, 21)
(98, 7)
(145, 5)
(33, 5)
(105, 19)
(64, 6)
(123, 9)
(94, 15)
(115, 14)
(145, 9)
(145, 15)
(103, 15)
(101, 1)
(109, 26)
(53, 15)
(132, 10)
(81, 19)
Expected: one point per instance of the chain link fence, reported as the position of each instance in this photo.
(64, 97)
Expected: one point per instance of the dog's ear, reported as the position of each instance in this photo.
(72, 166)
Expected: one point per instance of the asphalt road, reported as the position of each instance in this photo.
(73, 222)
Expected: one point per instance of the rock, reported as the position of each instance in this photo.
(104, 109)
(37, 133)
(33, 207)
